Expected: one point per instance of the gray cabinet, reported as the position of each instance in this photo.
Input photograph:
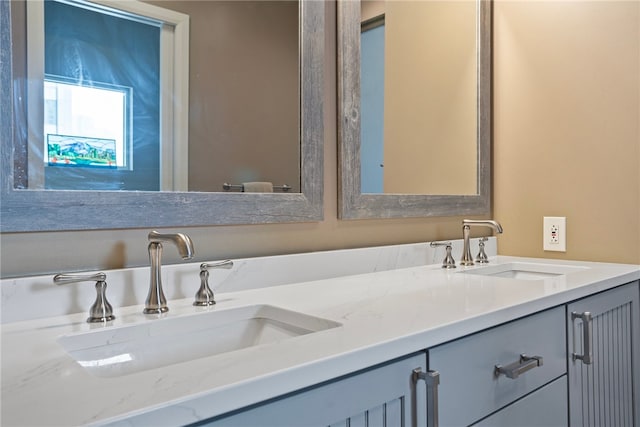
(484, 372)
(384, 395)
(604, 358)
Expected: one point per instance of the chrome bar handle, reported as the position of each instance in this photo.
(519, 367)
(587, 337)
(100, 311)
(432, 380)
(204, 296)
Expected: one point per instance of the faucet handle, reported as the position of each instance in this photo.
(448, 262)
(204, 296)
(101, 311)
(482, 257)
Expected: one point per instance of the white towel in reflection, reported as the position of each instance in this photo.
(257, 187)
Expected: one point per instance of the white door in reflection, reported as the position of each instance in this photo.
(372, 107)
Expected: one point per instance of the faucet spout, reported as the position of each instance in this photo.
(180, 240)
(467, 259)
(156, 302)
(483, 222)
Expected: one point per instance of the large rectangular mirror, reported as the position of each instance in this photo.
(248, 113)
(415, 108)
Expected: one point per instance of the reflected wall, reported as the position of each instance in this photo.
(244, 103)
(243, 92)
(430, 97)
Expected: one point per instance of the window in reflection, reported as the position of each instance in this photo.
(92, 50)
(103, 81)
(85, 126)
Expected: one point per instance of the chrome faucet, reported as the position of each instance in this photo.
(467, 259)
(156, 302)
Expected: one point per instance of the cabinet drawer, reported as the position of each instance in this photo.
(546, 407)
(469, 389)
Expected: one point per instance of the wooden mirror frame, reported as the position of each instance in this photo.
(353, 204)
(51, 210)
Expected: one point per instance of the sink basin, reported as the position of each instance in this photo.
(118, 351)
(526, 271)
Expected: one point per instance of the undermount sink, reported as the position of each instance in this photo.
(117, 351)
(525, 271)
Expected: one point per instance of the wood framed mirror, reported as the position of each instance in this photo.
(430, 111)
(25, 210)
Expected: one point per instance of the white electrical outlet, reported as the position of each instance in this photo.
(554, 233)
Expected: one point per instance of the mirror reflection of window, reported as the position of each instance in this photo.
(91, 49)
(110, 78)
(83, 113)
(236, 99)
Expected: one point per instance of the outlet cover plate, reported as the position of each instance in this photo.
(554, 236)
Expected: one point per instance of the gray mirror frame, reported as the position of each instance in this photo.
(49, 210)
(355, 205)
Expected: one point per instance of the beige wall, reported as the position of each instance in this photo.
(372, 8)
(243, 126)
(571, 87)
(566, 126)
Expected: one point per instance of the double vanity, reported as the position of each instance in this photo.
(372, 336)
(380, 335)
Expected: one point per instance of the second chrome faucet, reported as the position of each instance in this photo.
(156, 302)
(467, 259)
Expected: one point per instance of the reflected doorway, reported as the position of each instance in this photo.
(372, 105)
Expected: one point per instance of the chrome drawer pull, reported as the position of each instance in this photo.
(515, 369)
(587, 356)
(432, 380)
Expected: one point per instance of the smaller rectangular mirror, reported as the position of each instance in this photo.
(414, 108)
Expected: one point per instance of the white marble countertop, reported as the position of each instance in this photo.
(384, 315)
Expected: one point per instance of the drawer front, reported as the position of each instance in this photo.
(546, 407)
(469, 388)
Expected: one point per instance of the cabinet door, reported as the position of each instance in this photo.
(602, 390)
(381, 396)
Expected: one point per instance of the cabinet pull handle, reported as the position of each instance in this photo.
(515, 369)
(587, 351)
(432, 380)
